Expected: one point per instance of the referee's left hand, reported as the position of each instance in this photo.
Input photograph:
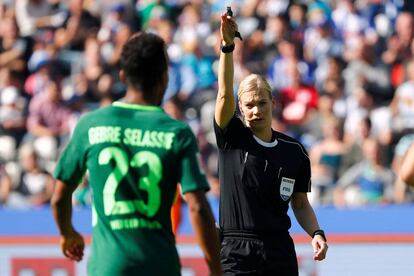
(320, 247)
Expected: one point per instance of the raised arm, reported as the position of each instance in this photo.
(226, 103)
(203, 224)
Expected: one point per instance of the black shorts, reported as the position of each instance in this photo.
(245, 254)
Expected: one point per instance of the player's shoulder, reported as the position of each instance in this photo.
(286, 138)
(91, 116)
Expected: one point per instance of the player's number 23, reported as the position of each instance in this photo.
(147, 183)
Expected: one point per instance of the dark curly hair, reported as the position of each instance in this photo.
(144, 61)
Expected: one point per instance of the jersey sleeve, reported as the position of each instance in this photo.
(305, 173)
(192, 177)
(230, 135)
(72, 164)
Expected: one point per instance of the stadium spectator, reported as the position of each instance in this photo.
(326, 157)
(398, 73)
(329, 77)
(12, 121)
(196, 60)
(333, 87)
(79, 24)
(113, 21)
(314, 125)
(41, 70)
(402, 104)
(402, 192)
(34, 16)
(364, 104)
(254, 224)
(400, 42)
(350, 24)
(70, 38)
(354, 152)
(321, 42)
(365, 69)
(133, 222)
(367, 182)
(14, 49)
(240, 69)
(275, 31)
(297, 21)
(34, 185)
(45, 131)
(298, 100)
(119, 39)
(253, 56)
(5, 184)
(278, 71)
(94, 74)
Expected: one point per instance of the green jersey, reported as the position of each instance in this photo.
(135, 156)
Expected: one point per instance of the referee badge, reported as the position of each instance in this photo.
(286, 188)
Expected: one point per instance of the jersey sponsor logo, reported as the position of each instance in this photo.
(134, 223)
(286, 188)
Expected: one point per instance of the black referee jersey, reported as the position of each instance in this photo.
(258, 178)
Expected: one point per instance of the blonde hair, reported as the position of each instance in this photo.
(254, 82)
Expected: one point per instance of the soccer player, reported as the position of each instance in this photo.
(260, 172)
(135, 155)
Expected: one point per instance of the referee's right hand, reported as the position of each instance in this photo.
(228, 29)
(320, 247)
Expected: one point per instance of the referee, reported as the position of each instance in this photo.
(260, 172)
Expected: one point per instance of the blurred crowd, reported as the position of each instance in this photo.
(342, 74)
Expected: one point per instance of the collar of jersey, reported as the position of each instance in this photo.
(265, 144)
(137, 106)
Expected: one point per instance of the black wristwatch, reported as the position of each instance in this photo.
(319, 232)
(227, 48)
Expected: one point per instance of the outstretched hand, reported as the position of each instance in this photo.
(228, 29)
(72, 246)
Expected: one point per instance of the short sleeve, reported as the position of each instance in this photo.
(304, 180)
(230, 135)
(192, 177)
(72, 163)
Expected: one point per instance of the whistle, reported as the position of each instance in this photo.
(230, 13)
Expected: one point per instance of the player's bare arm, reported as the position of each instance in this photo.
(307, 219)
(226, 103)
(71, 242)
(203, 223)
